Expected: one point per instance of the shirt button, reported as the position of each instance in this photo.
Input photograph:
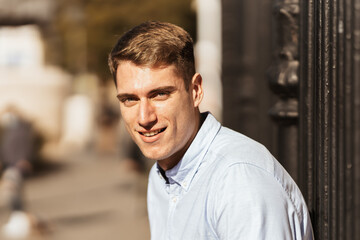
(174, 199)
(185, 184)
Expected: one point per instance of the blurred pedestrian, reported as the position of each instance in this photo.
(17, 145)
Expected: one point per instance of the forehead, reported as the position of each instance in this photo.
(133, 78)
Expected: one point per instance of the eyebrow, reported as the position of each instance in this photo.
(156, 90)
(162, 89)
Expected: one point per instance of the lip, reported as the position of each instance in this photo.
(151, 136)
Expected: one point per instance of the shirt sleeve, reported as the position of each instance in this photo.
(251, 204)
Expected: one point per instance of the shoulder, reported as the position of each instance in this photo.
(235, 148)
(238, 159)
(245, 169)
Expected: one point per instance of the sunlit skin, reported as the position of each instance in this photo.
(161, 116)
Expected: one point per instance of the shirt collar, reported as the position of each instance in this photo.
(184, 172)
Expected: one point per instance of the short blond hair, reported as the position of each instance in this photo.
(155, 44)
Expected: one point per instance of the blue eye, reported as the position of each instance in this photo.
(128, 101)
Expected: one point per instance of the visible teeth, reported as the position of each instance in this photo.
(150, 134)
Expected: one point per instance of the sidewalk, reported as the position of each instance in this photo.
(89, 197)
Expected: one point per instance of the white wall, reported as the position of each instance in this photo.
(208, 54)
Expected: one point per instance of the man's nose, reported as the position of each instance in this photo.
(147, 114)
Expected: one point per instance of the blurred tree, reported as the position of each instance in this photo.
(88, 29)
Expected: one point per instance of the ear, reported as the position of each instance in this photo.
(197, 89)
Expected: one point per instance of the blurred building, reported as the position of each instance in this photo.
(20, 12)
(36, 89)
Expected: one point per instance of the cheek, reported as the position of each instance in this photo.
(182, 118)
(174, 107)
(165, 110)
(127, 115)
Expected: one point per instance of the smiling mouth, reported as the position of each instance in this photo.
(152, 133)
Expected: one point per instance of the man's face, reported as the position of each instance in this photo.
(160, 114)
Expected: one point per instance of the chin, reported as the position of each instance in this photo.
(158, 156)
(153, 155)
(153, 151)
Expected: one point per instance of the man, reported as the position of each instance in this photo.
(209, 182)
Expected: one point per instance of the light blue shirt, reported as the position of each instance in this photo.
(227, 186)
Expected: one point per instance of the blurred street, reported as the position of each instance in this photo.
(87, 196)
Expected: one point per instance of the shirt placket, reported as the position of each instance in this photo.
(173, 201)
